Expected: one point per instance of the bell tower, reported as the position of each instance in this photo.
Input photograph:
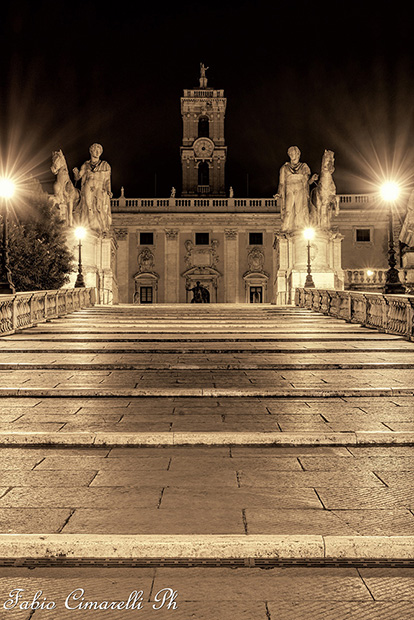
(203, 151)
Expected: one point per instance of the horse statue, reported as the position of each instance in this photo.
(323, 198)
(66, 195)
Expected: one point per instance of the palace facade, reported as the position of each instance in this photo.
(232, 245)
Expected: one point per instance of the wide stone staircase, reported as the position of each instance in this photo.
(155, 447)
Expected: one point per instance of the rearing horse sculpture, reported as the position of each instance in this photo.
(323, 198)
(66, 194)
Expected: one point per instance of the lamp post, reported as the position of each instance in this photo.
(309, 234)
(80, 234)
(390, 192)
(6, 284)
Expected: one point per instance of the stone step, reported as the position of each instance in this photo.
(110, 365)
(208, 392)
(94, 472)
(108, 439)
(101, 547)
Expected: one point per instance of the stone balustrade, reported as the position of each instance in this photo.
(230, 204)
(366, 279)
(30, 308)
(190, 204)
(393, 314)
(357, 198)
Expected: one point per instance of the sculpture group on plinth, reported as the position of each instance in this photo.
(307, 202)
(301, 207)
(91, 205)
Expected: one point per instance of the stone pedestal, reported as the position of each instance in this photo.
(291, 263)
(98, 265)
(407, 238)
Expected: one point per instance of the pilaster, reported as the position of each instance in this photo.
(231, 264)
(121, 235)
(171, 266)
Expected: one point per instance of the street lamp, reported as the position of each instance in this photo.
(309, 234)
(6, 284)
(390, 192)
(80, 234)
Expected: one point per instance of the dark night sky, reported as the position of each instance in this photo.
(335, 76)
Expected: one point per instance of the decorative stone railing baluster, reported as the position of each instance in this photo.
(393, 314)
(28, 309)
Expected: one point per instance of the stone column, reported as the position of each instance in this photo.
(122, 275)
(231, 266)
(281, 267)
(109, 292)
(171, 266)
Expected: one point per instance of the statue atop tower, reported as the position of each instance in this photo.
(203, 78)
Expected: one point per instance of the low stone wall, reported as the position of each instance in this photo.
(30, 308)
(393, 314)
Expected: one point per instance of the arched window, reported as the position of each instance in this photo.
(203, 127)
(203, 173)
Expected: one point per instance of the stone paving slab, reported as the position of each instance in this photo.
(140, 489)
(222, 594)
(270, 597)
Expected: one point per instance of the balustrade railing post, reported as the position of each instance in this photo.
(364, 310)
(410, 318)
(349, 307)
(385, 313)
(14, 313)
(31, 304)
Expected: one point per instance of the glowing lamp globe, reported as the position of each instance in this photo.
(6, 188)
(80, 233)
(309, 234)
(390, 191)
(370, 273)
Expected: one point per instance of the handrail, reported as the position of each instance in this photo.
(30, 308)
(392, 314)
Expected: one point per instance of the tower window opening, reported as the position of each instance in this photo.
(203, 127)
(203, 173)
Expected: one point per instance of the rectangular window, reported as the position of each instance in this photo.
(202, 238)
(255, 238)
(145, 294)
(146, 238)
(363, 235)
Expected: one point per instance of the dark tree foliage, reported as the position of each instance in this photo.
(38, 254)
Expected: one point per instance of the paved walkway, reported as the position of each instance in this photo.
(214, 432)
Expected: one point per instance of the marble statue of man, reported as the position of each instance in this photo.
(95, 175)
(293, 192)
(203, 77)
